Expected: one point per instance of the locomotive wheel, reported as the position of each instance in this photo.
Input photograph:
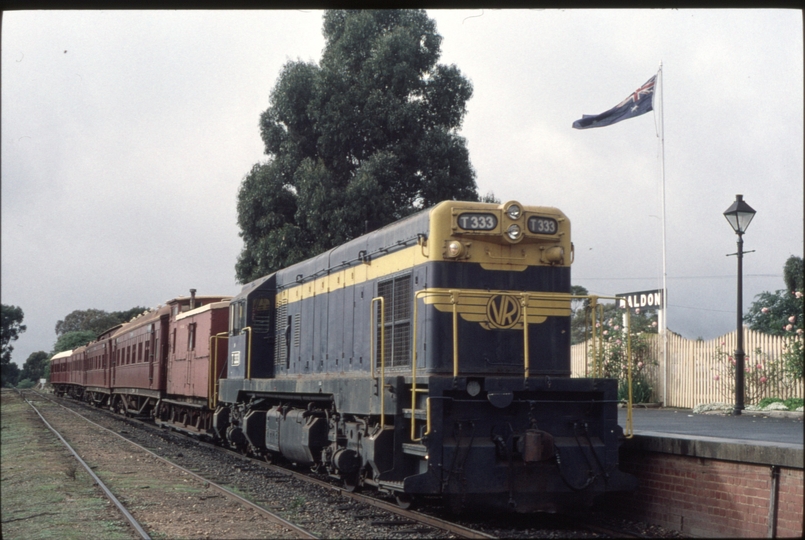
(404, 500)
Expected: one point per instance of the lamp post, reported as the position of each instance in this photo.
(739, 215)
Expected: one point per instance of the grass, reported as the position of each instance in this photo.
(45, 493)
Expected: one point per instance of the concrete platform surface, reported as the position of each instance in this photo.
(757, 428)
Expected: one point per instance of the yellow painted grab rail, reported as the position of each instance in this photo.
(455, 295)
(212, 384)
(382, 384)
(249, 353)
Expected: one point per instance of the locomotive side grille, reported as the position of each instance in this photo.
(396, 293)
(280, 345)
(262, 311)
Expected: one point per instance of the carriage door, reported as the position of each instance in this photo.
(150, 350)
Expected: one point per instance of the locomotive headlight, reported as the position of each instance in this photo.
(513, 232)
(473, 388)
(454, 249)
(513, 211)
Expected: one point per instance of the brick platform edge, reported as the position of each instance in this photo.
(687, 485)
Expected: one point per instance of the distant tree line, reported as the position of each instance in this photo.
(75, 330)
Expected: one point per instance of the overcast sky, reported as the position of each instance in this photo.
(126, 134)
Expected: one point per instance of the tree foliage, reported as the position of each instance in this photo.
(72, 340)
(35, 366)
(794, 274)
(12, 328)
(770, 312)
(12, 317)
(94, 320)
(365, 137)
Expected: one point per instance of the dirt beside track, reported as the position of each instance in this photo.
(167, 502)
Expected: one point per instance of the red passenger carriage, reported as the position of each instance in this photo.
(141, 351)
(97, 360)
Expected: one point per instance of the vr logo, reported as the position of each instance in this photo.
(503, 311)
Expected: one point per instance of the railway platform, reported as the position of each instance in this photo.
(715, 475)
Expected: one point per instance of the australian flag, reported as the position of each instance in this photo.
(639, 102)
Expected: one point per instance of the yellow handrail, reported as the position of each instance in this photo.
(382, 384)
(526, 357)
(212, 385)
(597, 347)
(249, 353)
(454, 300)
(596, 314)
(414, 389)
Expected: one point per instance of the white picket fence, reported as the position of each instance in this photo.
(699, 372)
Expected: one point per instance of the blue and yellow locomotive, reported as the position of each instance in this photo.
(429, 358)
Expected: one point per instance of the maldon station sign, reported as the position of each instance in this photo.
(641, 299)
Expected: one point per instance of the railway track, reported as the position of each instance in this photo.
(359, 515)
(282, 527)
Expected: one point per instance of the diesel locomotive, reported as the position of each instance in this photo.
(429, 359)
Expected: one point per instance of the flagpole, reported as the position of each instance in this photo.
(664, 310)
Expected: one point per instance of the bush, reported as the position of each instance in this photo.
(614, 361)
(764, 375)
(793, 403)
(765, 402)
(26, 383)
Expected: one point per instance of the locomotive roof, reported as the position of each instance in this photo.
(394, 235)
(62, 354)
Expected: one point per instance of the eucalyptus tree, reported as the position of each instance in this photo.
(364, 137)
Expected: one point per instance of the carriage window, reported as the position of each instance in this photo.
(237, 317)
(397, 294)
(191, 337)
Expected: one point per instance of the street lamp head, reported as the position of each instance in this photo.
(739, 215)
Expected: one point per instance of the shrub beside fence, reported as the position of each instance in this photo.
(702, 371)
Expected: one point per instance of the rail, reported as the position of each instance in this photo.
(109, 495)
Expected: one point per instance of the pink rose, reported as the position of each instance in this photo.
(746, 369)
(731, 359)
(760, 366)
(606, 332)
(764, 310)
(763, 379)
(798, 294)
(637, 310)
(617, 327)
(640, 364)
(789, 327)
(716, 377)
(799, 331)
(618, 342)
(654, 324)
(792, 319)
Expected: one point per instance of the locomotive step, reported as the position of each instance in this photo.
(415, 449)
(421, 414)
